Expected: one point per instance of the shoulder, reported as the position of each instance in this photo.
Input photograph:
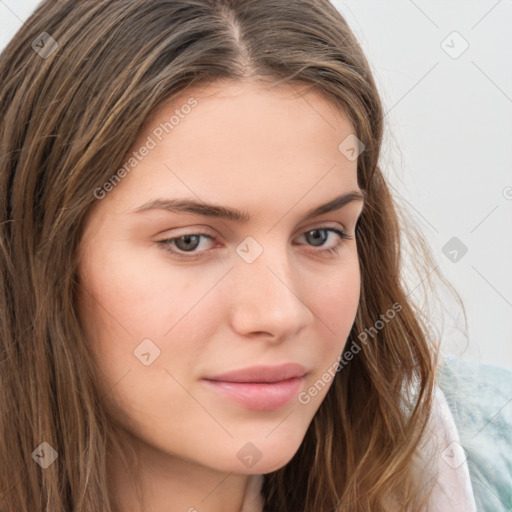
(449, 473)
(479, 395)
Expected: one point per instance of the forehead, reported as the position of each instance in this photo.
(243, 143)
(255, 105)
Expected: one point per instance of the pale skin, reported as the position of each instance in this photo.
(274, 155)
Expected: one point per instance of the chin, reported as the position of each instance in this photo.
(276, 453)
(274, 465)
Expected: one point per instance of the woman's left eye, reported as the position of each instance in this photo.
(185, 246)
(324, 233)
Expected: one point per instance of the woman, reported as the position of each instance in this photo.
(203, 307)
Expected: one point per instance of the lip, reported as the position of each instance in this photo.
(262, 388)
(262, 374)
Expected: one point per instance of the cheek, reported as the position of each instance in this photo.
(337, 300)
(335, 304)
(136, 314)
(136, 293)
(134, 296)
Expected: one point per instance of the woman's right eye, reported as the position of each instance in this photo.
(185, 244)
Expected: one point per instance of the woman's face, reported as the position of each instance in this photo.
(171, 297)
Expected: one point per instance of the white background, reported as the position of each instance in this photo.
(448, 143)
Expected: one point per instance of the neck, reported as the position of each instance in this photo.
(168, 484)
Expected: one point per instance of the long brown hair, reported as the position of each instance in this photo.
(72, 104)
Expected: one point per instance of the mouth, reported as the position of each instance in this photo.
(262, 388)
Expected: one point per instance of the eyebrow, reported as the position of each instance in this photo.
(235, 215)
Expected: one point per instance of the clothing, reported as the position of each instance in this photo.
(480, 398)
(453, 491)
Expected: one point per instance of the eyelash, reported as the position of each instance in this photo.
(342, 236)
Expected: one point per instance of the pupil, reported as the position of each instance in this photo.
(187, 239)
(320, 239)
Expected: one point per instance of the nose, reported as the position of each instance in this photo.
(267, 299)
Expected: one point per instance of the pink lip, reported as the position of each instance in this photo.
(262, 388)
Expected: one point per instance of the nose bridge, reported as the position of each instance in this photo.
(265, 296)
(266, 266)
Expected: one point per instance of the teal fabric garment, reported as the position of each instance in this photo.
(480, 399)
